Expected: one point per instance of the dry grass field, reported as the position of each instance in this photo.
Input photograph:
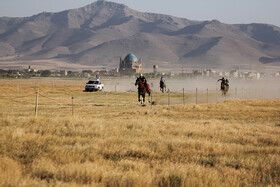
(113, 141)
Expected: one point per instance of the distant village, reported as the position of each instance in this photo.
(130, 66)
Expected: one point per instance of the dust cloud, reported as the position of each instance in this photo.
(268, 88)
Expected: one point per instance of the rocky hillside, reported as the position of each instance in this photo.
(100, 33)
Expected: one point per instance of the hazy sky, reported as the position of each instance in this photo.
(227, 11)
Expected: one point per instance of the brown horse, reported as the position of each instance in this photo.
(141, 91)
(162, 86)
(224, 88)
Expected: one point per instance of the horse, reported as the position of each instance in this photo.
(141, 91)
(162, 86)
(224, 88)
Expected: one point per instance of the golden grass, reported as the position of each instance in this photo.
(115, 142)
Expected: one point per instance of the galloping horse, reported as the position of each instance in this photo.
(162, 86)
(224, 88)
(141, 91)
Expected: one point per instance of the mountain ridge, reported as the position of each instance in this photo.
(99, 33)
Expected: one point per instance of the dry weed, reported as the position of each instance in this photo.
(115, 142)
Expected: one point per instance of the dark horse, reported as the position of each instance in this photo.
(224, 88)
(162, 86)
(142, 90)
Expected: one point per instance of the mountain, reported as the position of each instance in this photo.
(100, 33)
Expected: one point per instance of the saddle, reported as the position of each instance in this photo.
(148, 88)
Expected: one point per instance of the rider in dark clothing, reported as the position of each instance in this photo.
(143, 79)
(223, 81)
(162, 80)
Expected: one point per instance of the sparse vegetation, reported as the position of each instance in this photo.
(115, 142)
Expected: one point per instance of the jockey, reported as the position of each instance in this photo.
(223, 81)
(162, 80)
(143, 79)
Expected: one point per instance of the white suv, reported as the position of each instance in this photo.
(94, 85)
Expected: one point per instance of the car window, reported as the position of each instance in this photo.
(93, 82)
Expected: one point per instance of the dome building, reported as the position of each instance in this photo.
(130, 65)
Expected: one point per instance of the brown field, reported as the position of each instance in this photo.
(113, 141)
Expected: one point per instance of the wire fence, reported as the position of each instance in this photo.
(49, 98)
(66, 100)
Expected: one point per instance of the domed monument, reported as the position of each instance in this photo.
(130, 65)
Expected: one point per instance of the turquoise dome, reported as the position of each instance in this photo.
(130, 58)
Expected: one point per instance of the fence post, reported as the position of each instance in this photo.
(184, 96)
(216, 94)
(196, 95)
(72, 106)
(168, 97)
(207, 95)
(36, 103)
(52, 86)
(151, 100)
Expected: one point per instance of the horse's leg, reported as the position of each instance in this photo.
(139, 97)
(227, 88)
(143, 96)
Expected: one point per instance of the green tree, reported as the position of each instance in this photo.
(46, 73)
